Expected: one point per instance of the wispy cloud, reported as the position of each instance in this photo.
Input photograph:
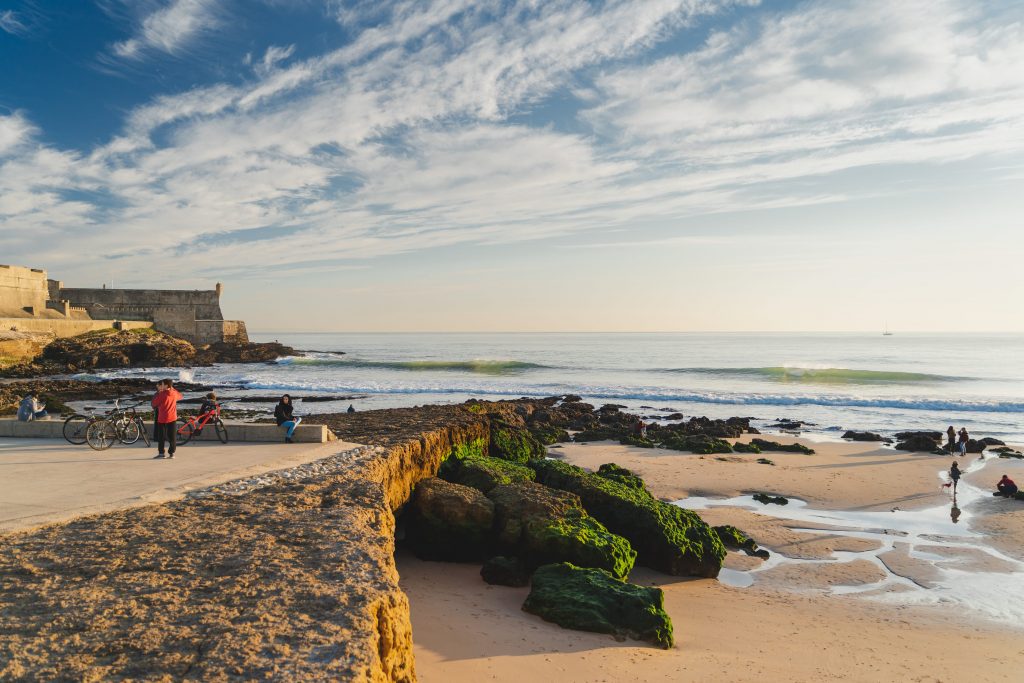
(169, 28)
(12, 22)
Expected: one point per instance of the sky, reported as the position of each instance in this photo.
(530, 165)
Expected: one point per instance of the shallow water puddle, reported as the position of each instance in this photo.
(925, 556)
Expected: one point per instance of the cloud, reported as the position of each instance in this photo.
(413, 135)
(170, 28)
(11, 22)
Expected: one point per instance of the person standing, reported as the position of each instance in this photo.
(285, 416)
(954, 476)
(951, 435)
(964, 438)
(165, 405)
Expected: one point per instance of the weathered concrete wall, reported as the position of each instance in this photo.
(62, 328)
(292, 581)
(22, 288)
(221, 330)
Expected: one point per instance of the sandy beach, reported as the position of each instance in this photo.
(794, 621)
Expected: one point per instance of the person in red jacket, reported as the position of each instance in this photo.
(165, 405)
(1006, 487)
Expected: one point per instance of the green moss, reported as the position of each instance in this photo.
(741, 447)
(637, 441)
(734, 539)
(696, 443)
(593, 600)
(599, 434)
(766, 445)
(476, 448)
(766, 499)
(514, 443)
(549, 434)
(483, 472)
(666, 537)
(620, 474)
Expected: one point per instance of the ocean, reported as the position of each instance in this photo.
(836, 381)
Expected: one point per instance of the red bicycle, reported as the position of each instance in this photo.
(193, 426)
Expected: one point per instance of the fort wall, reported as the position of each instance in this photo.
(23, 291)
(68, 328)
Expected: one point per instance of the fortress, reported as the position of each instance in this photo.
(31, 302)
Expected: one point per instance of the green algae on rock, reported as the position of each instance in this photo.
(594, 600)
(541, 525)
(696, 443)
(449, 522)
(483, 472)
(765, 499)
(549, 434)
(734, 539)
(741, 447)
(513, 443)
(666, 537)
(610, 470)
(766, 445)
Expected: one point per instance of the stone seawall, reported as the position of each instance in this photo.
(289, 576)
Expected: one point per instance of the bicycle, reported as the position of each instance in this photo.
(119, 424)
(193, 426)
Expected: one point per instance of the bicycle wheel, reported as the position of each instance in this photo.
(185, 429)
(74, 429)
(143, 432)
(101, 435)
(222, 430)
(128, 431)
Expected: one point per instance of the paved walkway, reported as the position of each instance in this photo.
(45, 480)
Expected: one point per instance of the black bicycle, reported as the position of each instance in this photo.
(102, 431)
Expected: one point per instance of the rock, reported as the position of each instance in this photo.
(514, 443)
(863, 436)
(593, 600)
(542, 525)
(449, 522)
(599, 434)
(611, 408)
(918, 441)
(989, 441)
(741, 447)
(766, 445)
(622, 475)
(765, 461)
(483, 472)
(549, 435)
(248, 352)
(788, 424)
(638, 441)
(505, 571)
(974, 446)
(571, 398)
(734, 539)
(666, 537)
(673, 417)
(753, 430)
(697, 443)
(766, 499)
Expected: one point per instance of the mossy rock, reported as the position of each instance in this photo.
(666, 537)
(449, 522)
(505, 571)
(696, 443)
(741, 447)
(599, 434)
(638, 441)
(620, 474)
(515, 444)
(542, 525)
(549, 434)
(593, 600)
(483, 472)
(477, 448)
(765, 499)
(765, 461)
(766, 445)
(734, 539)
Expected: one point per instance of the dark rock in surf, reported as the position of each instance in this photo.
(863, 436)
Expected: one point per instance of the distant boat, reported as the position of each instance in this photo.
(886, 332)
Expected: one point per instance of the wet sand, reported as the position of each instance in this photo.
(789, 624)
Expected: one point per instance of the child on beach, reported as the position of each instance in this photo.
(964, 438)
(165, 405)
(954, 476)
(285, 417)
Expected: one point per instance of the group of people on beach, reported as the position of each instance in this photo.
(957, 441)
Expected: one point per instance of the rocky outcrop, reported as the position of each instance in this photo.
(484, 472)
(766, 445)
(593, 600)
(918, 441)
(862, 436)
(734, 539)
(666, 537)
(449, 522)
(505, 571)
(766, 499)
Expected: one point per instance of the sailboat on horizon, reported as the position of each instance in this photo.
(886, 332)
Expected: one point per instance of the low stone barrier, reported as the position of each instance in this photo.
(238, 432)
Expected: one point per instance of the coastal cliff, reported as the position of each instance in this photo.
(293, 579)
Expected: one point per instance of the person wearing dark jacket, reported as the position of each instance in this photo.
(954, 476)
(286, 418)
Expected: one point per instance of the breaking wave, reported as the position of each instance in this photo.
(820, 375)
(481, 367)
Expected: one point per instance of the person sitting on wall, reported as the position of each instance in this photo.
(285, 417)
(31, 408)
(1006, 487)
(208, 405)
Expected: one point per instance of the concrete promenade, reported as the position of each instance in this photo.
(46, 480)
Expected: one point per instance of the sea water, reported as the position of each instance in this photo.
(837, 381)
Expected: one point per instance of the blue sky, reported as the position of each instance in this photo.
(503, 165)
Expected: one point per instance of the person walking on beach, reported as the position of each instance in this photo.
(1006, 487)
(165, 405)
(964, 438)
(31, 408)
(285, 417)
(951, 435)
(954, 476)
